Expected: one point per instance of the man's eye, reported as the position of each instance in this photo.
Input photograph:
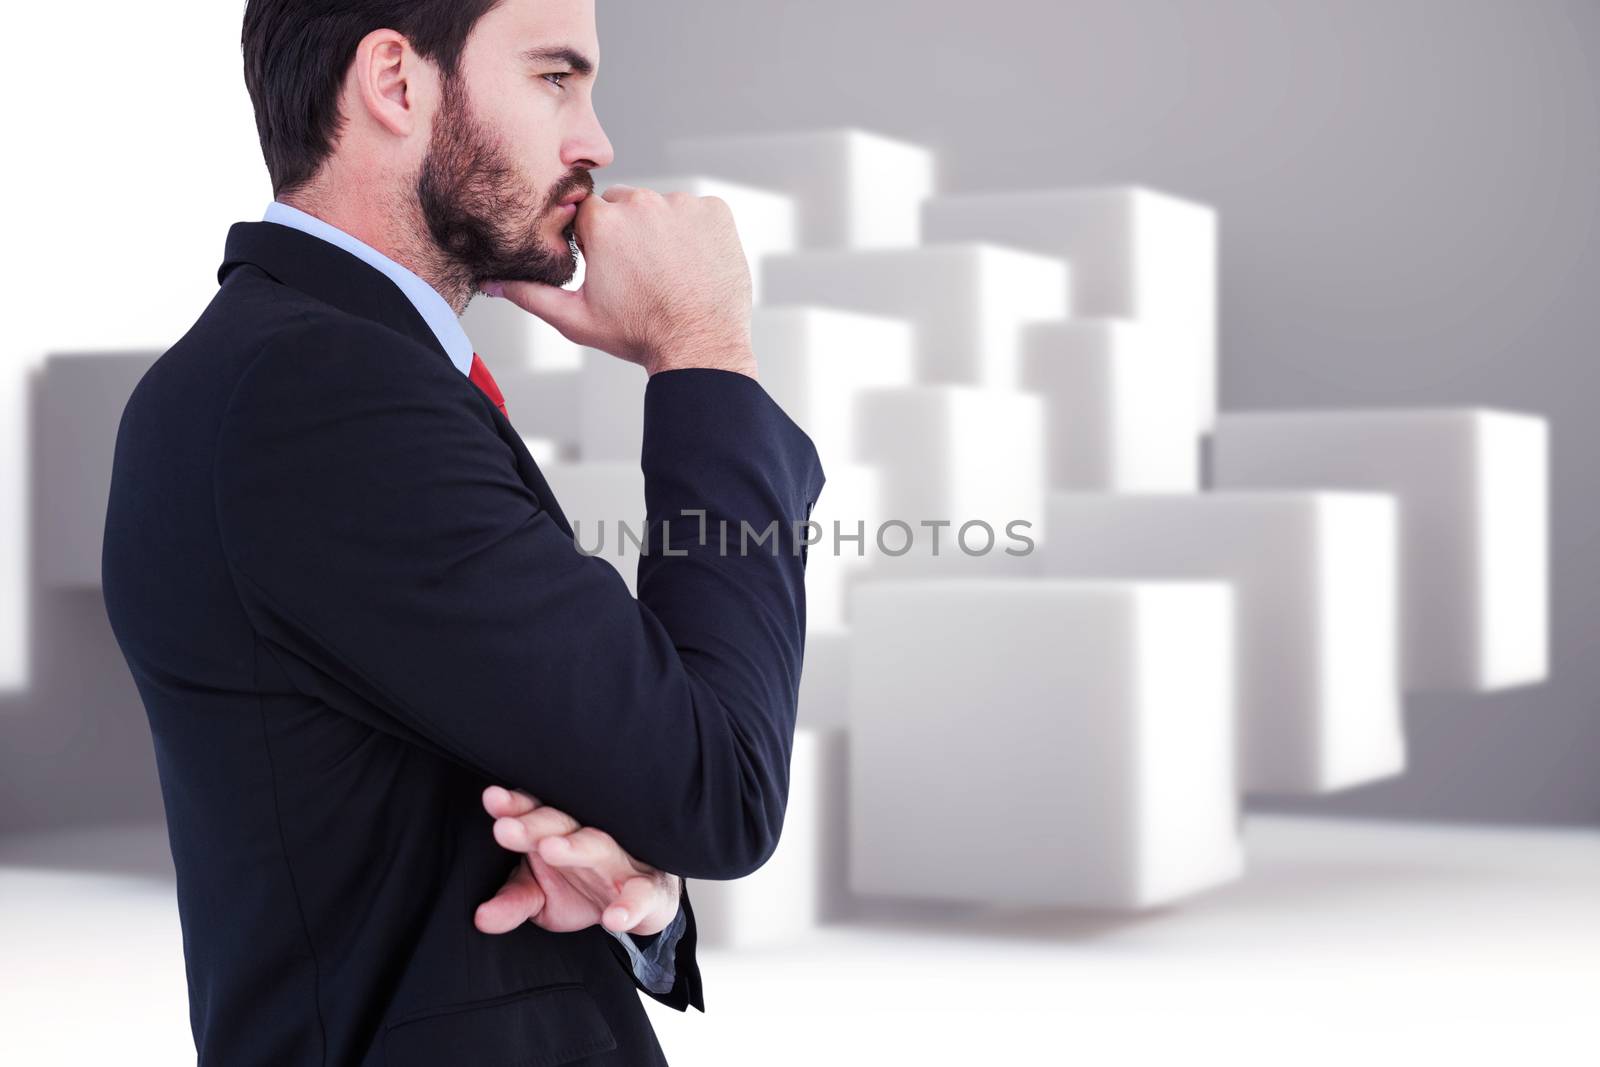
(559, 74)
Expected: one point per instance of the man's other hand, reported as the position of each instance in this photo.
(571, 876)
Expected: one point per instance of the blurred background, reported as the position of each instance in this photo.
(1399, 201)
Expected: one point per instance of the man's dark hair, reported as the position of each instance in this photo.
(296, 54)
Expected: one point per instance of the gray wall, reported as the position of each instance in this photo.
(1408, 200)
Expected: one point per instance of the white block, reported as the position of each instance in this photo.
(803, 882)
(964, 550)
(1474, 490)
(81, 400)
(963, 483)
(825, 680)
(815, 362)
(508, 337)
(610, 408)
(850, 505)
(765, 219)
(967, 302)
(1042, 742)
(1318, 605)
(542, 404)
(1135, 253)
(1116, 423)
(604, 504)
(955, 453)
(544, 450)
(852, 189)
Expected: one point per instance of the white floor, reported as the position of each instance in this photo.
(1345, 943)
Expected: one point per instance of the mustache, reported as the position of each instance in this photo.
(572, 183)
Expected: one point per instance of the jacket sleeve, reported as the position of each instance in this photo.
(378, 532)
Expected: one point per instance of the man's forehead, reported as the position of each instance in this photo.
(541, 30)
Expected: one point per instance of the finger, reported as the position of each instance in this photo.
(501, 802)
(565, 309)
(587, 847)
(519, 900)
(524, 833)
(571, 908)
(639, 900)
(616, 194)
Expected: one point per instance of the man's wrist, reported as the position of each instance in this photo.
(734, 356)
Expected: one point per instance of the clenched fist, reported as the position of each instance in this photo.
(665, 284)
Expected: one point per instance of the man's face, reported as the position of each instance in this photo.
(515, 135)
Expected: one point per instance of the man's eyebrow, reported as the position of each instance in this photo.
(580, 63)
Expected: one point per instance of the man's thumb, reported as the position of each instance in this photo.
(565, 309)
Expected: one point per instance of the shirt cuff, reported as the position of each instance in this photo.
(655, 964)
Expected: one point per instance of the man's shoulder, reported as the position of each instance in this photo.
(256, 312)
(257, 329)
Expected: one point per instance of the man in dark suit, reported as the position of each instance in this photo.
(356, 614)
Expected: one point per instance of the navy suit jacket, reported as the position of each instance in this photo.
(350, 602)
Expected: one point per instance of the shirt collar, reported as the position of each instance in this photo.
(435, 311)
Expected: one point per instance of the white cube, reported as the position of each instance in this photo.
(765, 219)
(1117, 419)
(604, 505)
(825, 680)
(1318, 611)
(973, 549)
(852, 189)
(954, 453)
(543, 404)
(803, 882)
(543, 450)
(1135, 253)
(1043, 742)
(1474, 492)
(967, 302)
(962, 489)
(80, 403)
(850, 504)
(816, 361)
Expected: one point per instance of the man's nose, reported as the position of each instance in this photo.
(589, 147)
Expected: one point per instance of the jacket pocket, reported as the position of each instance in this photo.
(533, 1028)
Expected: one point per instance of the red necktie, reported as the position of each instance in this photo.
(484, 380)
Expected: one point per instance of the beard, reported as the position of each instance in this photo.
(487, 222)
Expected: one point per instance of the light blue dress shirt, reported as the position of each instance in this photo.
(655, 967)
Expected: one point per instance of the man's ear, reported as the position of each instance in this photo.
(386, 80)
